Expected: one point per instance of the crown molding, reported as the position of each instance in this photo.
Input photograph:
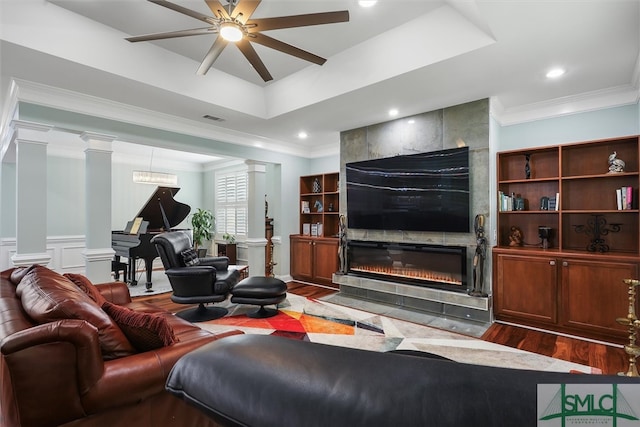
(582, 103)
(589, 101)
(65, 100)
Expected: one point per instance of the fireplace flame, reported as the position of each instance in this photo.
(407, 273)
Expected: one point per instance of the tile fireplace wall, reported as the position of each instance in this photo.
(434, 130)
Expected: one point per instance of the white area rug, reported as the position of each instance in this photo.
(324, 322)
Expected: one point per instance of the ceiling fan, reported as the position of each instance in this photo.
(233, 24)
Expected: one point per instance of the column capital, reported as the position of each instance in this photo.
(29, 131)
(255, 166)
(98, 141)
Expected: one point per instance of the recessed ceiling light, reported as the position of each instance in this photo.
(554, 73)
(411, 121)
(393, 112)
(302, 135)
(367, 3)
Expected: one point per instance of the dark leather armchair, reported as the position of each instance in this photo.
(207, 282)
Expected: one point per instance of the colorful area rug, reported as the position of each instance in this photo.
(323, 322)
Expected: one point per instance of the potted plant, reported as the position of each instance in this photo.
(203, 223)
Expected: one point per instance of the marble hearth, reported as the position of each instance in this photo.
(436, 301)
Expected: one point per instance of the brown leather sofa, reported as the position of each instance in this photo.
(65, 362)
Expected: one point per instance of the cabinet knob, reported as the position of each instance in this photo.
(552, 263)
(565, 264)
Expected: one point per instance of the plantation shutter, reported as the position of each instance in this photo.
(231, 203)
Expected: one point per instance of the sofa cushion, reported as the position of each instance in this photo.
(190, 257)
(18, 273)
(47, 296)
(146, 331)
(87, 287)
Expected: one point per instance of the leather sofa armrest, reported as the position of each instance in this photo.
(134, 378)
(219, 262)
(192, 281)
(79, 333)
(49, 366)
(115, 292)
(200, 271)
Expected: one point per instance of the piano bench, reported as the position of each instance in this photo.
(117, 267)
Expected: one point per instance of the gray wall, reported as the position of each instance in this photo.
(592, 125)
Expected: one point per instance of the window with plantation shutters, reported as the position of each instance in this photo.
(231, 203)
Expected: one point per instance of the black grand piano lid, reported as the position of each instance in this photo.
(162, 211)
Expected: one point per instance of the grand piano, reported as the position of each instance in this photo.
(161, 213)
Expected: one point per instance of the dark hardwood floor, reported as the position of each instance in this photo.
(609, 359)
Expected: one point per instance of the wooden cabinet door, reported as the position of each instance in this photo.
(301, 258)
(526, 288)
(594, 295)
(325, 260)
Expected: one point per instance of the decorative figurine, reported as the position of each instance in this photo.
(616, 165)
(515, 237)
(342, 248)
(316, 186)
(479, 258)
(318, 206)
(527, 166)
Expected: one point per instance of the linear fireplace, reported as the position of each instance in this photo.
(433, 266)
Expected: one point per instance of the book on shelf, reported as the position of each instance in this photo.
(306, 229)
(505, 202)
(554, 202)
(625, 198)
(314, 230)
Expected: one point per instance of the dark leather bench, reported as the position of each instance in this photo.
(256, 380)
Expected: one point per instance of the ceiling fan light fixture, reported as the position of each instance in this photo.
(231, 31)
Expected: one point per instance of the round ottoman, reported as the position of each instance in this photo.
(259, 290)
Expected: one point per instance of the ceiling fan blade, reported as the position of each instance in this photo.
(217, 9)
(265, 24)
(286, 48)
(211, 56)
(172, 34)
(252, 56)
(185, 11)
(244, 9)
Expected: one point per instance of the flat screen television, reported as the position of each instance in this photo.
(418, 192)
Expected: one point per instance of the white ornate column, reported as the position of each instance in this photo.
(31, 193)
(98, 251)
(256, 241)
